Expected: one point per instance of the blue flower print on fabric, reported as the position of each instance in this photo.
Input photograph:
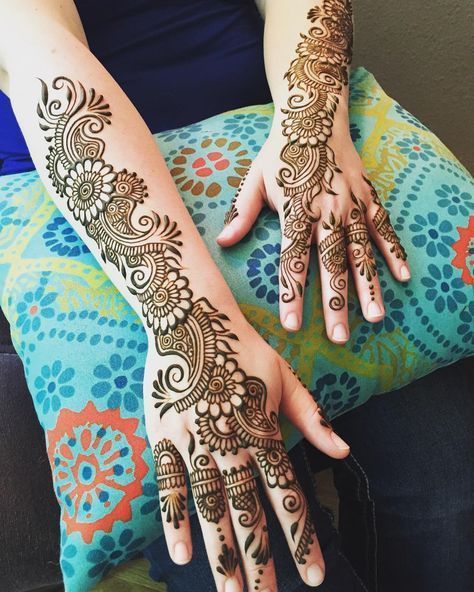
(455, 200)
(35, 306)
(336, 393)
(118, 384)
(61, 238)
(112, 551)
(433, 234)
(415, 149)
(444, 290)
(52, 384)
(245, 125)
(262, 271)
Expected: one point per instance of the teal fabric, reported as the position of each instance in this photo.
(84, 348)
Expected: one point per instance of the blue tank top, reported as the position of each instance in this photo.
(179, 61)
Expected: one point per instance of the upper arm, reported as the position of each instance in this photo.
(30, 19)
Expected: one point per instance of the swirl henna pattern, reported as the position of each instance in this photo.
(203, 373)
(316, 78)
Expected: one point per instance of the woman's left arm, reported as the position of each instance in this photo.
(310, 172)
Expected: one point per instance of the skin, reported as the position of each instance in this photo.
(326, 199)
(204, 359)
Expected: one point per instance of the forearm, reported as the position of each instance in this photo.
(307, 66)
(139, 230)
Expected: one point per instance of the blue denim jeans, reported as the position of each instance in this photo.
(406, 498)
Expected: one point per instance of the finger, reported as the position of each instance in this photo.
(294, 258)
(245, 207)
(214, 518)
(170, 472)
(303, 411)
(361, 259)
(330, 237)
(249, 522)
(385, 237)
(291, 508)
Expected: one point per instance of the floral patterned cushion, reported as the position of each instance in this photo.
(84, 348)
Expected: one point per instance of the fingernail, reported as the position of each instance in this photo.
(339, 333)
(232, 585)
(339, 442)
(181, 553)
(374, 310)
(404, 273)
(226, 232)
(292, 321)
(314, 575)
(267, 590)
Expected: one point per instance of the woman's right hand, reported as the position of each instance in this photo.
(223, 430)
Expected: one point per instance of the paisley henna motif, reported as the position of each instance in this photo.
(316, 78)
(203, 373)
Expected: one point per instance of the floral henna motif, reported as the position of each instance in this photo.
(203, 373)
(333, 256)
(316, 78)
(357, 235)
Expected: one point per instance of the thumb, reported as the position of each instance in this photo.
(245, 207)
(304, 413)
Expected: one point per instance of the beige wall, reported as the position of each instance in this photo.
(421, 52)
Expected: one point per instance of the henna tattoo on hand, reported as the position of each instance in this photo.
(357, 234)
(170, 473)
(243, 494)
(232, 212)
(384, 226)
(316, 78)
(334, 258)
(228, 561)
(203, 373)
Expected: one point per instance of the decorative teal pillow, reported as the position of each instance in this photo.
(84, 348)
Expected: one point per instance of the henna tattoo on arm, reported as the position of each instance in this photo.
(203, 373)
(316, 78)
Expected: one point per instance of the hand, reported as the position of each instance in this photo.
(338, 213)
(223, 430)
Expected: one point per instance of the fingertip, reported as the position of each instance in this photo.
(374, 312)
(404, 273)
(291, 322)
(181, 553)
(225, 237)
(339, 334)
(343, 448)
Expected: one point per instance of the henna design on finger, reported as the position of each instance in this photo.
(316, 78)
(170, 473)
(232, 212)
(207, 486)
(276, 466)
(228, 561)
(334, 258)
(199, 369)
(383, 225)
(243, 494)
(357, 235)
